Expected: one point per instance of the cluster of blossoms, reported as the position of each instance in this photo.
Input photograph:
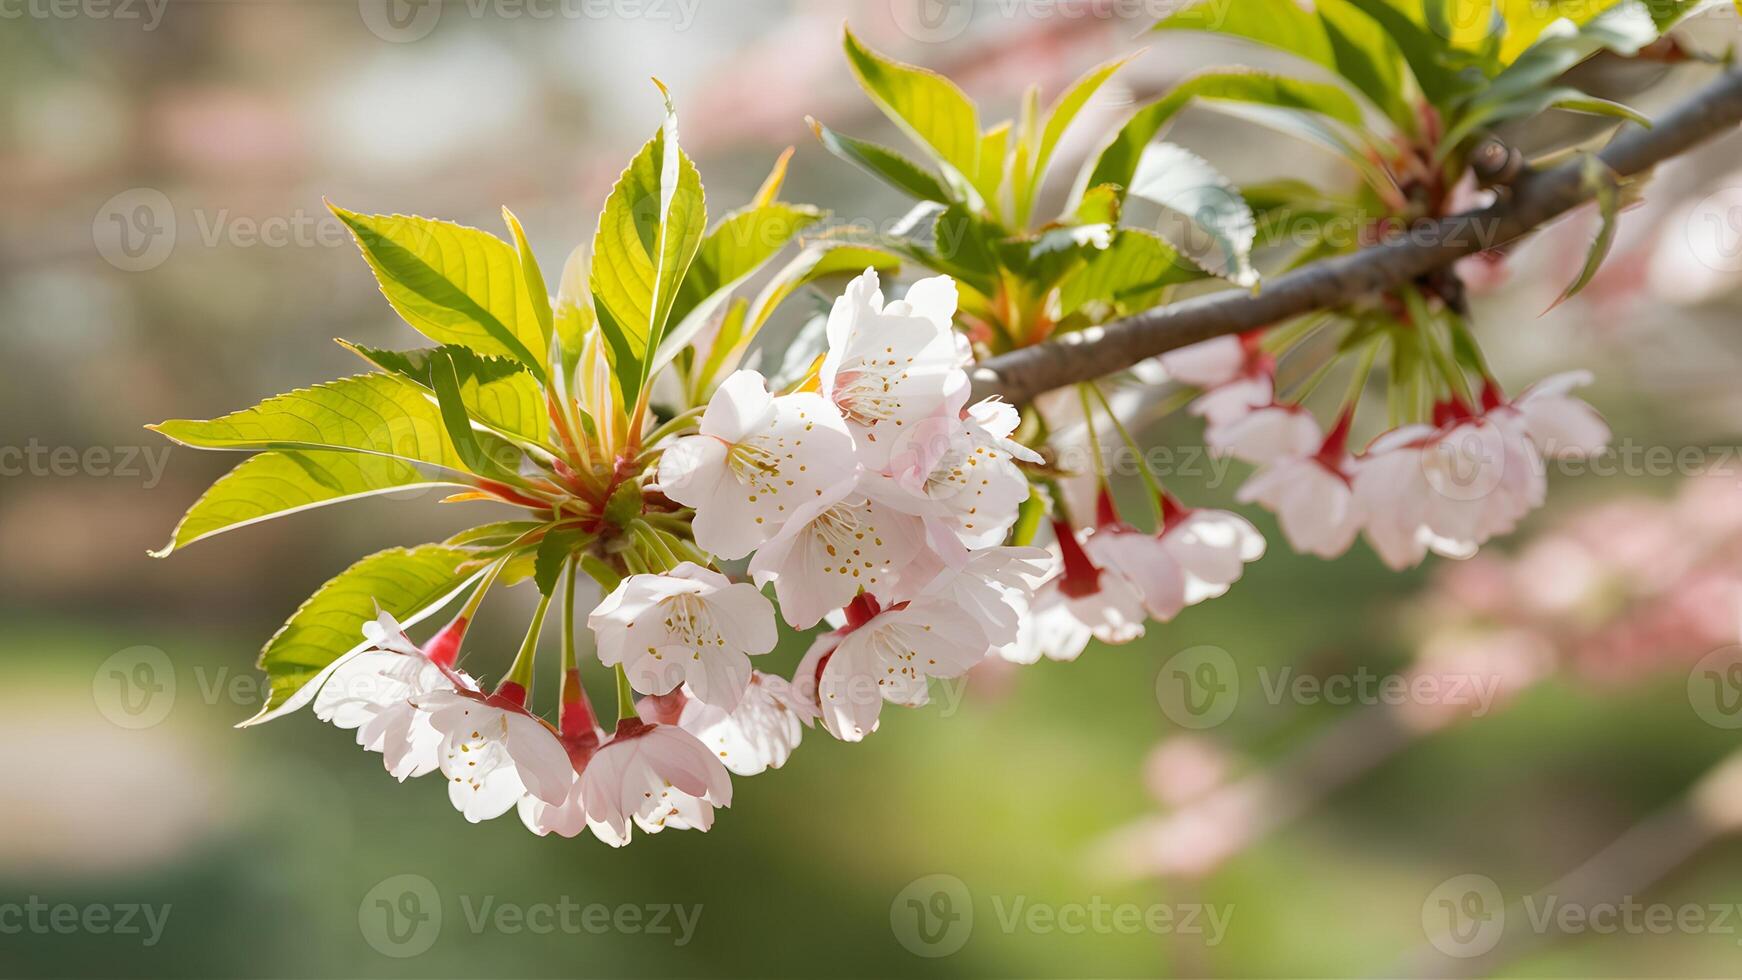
(873, 497)
(1446, 485)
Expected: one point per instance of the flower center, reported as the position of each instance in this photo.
(690, 620)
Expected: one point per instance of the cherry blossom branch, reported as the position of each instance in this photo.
(1535, 198)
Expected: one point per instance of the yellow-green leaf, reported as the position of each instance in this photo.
(650, 230)
(453, 284)
(410, 583)
(930, 108)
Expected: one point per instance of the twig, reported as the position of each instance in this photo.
(1536, 198)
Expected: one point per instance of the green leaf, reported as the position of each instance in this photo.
(494, 534)
(819, 260)
(276, 484)
(453, 284)
(1117, 162)
(496, 391)
(574, 319)
(379, 414)
(1531, 104)
(553, 554)
(1129, 274)
(947, 240)
(1063, 112)
(648, 233)
(1367, 57)
(1219, 228)
(883, 163)
(1428, 54)
(924, 104)
(1624, 29)
(993, 157)
(479, 458)
(1338, 38)
(537, 295)
(738, 246)
(1029, 517)
(411, 584)
(1605, 186)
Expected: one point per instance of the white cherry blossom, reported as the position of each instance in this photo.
(372, 692)
(1559, 424)
(889, 657)
(493, 752)
(1267, 434)
(690, 625)
(995, 586)
(760, 733)
(1046, 627)
(959, 473)
(1198, 555)
(831, 549)
(1208, 363)
(1314, 501)
(891, 365)
(568, 818)
(754, 460)
(656, 776)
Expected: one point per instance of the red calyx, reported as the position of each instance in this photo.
(443, 649)
(575, 718)
(1491, 395)
(1172, 511)
(1336, 444)
(1081, 577)
(631, 728)
(1106, 512)
(861, 610)
(508, 694)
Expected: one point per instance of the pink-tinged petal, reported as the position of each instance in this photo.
(540, 759)
(1206, 364)
(849, 697)
(738, 407)
(832, 550)
(1267, 434)
(1230, 402)
(760, 734)
(1565, 427)
(719, 679)
(1142, 561)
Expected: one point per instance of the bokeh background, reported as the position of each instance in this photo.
(164, 252)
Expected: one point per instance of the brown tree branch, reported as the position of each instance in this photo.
(1536, 198)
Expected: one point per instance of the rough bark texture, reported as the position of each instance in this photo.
(1534, 199)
